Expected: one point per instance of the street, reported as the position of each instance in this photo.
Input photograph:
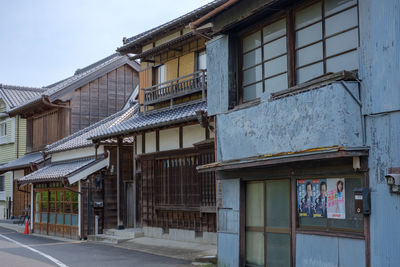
(27, 250)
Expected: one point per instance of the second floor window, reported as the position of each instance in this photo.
(3, 131)
(202, 60)
(324, 35)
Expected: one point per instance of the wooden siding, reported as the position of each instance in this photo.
(145, 80)
(47, 128)
(186, 64)
(174, 194)
(102, 97)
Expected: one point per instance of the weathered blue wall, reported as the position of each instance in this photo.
(323, 251)
(228, 224)
(323, 117)
(380, 75)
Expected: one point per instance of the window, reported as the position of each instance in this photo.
(202, 60)
(328, 204)
(160, 74)
(3, 132)
(325, 36)
(2, 188)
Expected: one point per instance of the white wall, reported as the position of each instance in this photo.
(169, 139)
(193, 134)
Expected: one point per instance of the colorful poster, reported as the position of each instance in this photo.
(311, 198)
(336, 198)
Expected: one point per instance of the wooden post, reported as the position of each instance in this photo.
(203, 85)
(119, 174)
(134, 181)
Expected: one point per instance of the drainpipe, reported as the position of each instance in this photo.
(193, 25)
(119, 174)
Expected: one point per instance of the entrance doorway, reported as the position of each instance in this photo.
(268, 235)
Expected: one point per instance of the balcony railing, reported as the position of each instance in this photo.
(181, 86)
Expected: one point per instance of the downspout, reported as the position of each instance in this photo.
(193, 25)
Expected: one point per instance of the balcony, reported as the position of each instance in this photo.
(182, 86)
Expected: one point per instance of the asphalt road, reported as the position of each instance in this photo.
(30, 251)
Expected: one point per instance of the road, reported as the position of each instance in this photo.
(21, 250)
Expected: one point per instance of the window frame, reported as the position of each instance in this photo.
(289, 16)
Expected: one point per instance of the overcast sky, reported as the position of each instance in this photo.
(44, 41)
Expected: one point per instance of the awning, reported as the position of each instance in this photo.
(73, 170)
(23, 162)
(285, 157)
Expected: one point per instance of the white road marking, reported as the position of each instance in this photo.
(59, 263)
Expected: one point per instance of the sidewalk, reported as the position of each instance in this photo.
(170, 248)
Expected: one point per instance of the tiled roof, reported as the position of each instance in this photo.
(178, 22)
(22, 162)
(58, 170)
(80, 138)
(84, 76)
(14, 96)
(141, 121)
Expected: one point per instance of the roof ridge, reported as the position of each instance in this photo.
(22, 88)
(82, 70)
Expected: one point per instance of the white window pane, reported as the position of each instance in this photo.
(252, 92)
(342, 42)
(252, 41)
(202, 60)
(254, 248)
(308, 15)
(341, 21)
(252, 58)
(255, 204)
(333, 6)
(310, 72)
(275, 48)
(276, 83)
(309, 35)
(252, 75)
(348, 61)
(274, 30)
(275, 66)
(309, 54)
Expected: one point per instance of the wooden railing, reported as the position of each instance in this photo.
(181, 86)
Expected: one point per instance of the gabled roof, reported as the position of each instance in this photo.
(80, 78)
(15, 96)
(142, 38)
(152, 119)
(22, 162)
(80, 138)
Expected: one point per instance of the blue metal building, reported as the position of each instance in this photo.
(306, 97)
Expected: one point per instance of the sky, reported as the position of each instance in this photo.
(44, 41)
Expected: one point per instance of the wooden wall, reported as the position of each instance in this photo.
(46, 128)
(102, 97)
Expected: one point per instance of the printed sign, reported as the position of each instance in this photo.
(336, 198)
(312, 198)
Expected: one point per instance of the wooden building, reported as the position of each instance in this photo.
(90, 95)
(172, 134)
(78, 184)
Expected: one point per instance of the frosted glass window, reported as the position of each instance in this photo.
(348, 61)
(308, 15)
(309, 72)
(52, 218)
(252, 41)
(277, 202)
(59, 218)
(275, 48)
(37, 217)
(202, 61)
(274, 30)
(276, 83)
(254, 204)
(253, 91)
(252, 75)
(275, 66)
(278, 249)
(309, 35)
(67, 219)
(333, 6)
(255, 248)
(44, 217)
(309, 54)
(342, 42)
(252, 58)
(341, 21)
(74, 220)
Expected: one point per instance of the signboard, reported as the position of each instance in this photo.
(321, 198)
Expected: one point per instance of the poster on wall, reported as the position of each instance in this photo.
(312, 198)
(336, 198)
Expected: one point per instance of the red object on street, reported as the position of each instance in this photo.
(26, 227)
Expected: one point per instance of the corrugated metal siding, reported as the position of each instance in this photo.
(8, 184)
(7, 153)
(21, 135)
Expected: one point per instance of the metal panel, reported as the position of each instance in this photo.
(318, 251)
(228, 249)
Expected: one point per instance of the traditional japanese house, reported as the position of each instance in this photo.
(91, 94)
(12, 144)
(172, 133)
(78, 185)
(306, 100)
